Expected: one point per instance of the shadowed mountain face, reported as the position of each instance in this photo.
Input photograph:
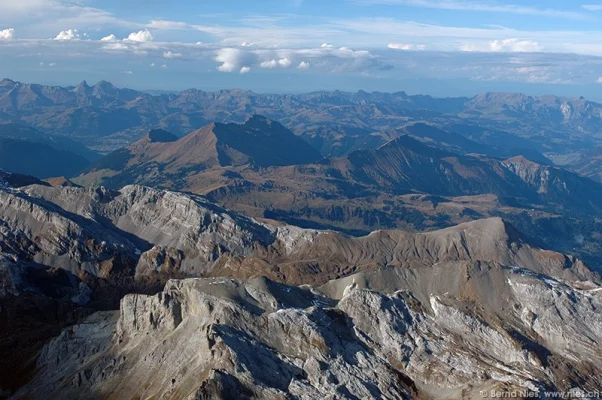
(22, 132)
(457, 143)
(28, 151)
(8, 179)
(38, 159)
(263, 142)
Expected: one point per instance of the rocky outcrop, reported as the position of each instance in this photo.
(205, 338)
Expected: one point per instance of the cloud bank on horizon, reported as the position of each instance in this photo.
(553, 43)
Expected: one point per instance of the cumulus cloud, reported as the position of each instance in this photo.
(281, 63)
(327, 46)
(247, 44)
(330, 59)
(6, 34)
(152, 65)
(599, 80)
(71, 34)
(171, 54)
(401, 46)
(140, 36)
(110, 38)
(234, 59)
(245, 70)
(269, 64)
(164, 66)
(128, 72)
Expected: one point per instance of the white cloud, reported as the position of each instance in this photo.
(329, 59)
(281, 63)
(327, 46)
(247, 44)
(285, 63)
(152, 65)
(167, 25)
(164, 66)
(110, 38)
(143, 36)
(234, 59)
(128, 72)
(482, 64)
(71, 34)
(6, 34)
(504, 45)
(514, 45)
(171, 54)
(269, 64)
(401, 46)
(245, 70)
(599, 80)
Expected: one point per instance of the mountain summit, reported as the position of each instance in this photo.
(258, 142)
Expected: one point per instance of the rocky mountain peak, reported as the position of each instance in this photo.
(7, 82)
(82, 88)
(522, 160)
(104, 88)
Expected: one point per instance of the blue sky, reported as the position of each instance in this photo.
(439, 47)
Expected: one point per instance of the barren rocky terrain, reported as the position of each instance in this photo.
(267, 310)
(366, 246)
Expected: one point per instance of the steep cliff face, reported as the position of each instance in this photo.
(215, 338)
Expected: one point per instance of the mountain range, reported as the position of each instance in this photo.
(423, 179)
(389, 315)
(105, 117)
(324, 245)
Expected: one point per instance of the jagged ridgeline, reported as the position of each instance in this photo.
(268, 310)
